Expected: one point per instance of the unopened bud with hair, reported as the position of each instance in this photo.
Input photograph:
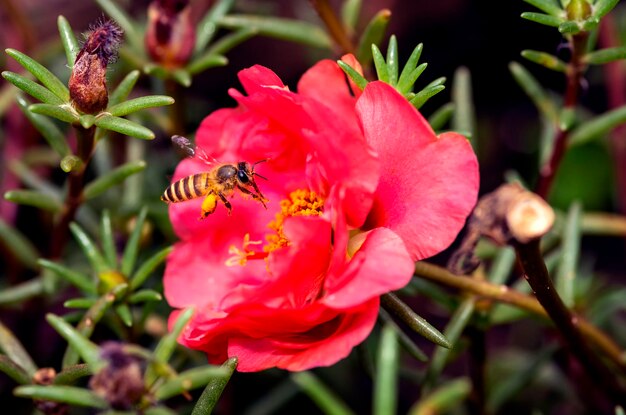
(171, 34)
(88, 87)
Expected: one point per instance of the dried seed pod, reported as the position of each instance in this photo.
(88, 88)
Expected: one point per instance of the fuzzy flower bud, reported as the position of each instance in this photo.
(120, 382)
(88, 89)
(170, 35)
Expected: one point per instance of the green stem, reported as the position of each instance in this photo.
(568, 324)
(574, 75)
(76, 184)
(176, 111)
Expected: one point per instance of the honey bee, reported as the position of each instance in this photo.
(219, 183)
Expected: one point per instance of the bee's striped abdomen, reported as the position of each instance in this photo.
(187, 188)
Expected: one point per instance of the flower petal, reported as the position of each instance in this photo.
(381, 264)
(428, 185)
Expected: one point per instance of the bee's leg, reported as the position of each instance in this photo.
(208, 205)
(226, 202)
(258, 196)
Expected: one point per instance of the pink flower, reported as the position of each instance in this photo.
(358, 189)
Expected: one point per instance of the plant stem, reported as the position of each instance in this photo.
(536, 273)
(334, 26)
(574, 76)
(74, 198)
(504, 294)
(176, 111)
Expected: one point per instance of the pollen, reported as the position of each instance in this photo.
(300, 202)
(241, 256)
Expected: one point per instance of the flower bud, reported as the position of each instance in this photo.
(578, 10)
(88, 88)
(120, 382)
(170, 35)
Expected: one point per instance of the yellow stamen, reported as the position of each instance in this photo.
(300, 202)
(240, 256)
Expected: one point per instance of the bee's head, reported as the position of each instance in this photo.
(245, 172)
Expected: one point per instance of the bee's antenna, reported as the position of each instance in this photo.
(258, 162)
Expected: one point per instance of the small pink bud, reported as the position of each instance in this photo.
(88, 89)
(171, 34)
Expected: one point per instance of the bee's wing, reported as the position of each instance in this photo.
(193, 151)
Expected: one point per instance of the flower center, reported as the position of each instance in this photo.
(300, 202)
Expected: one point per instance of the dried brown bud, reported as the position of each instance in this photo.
(171, 34)
(508, 214)
(120, 382)
(45, 376)
(88, 87)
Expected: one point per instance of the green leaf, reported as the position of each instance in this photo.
(146, 268)
(123, 312)
(207, 27)
(13, 370)
(425, 94)
(89, 248)
(34, 198)
(88, 351)
(379, 62)
(547, 6)
(206, 61)
(124, 126)
(77, 279)
(453, 331)
(64, 113)
(535, 92)
(32, 88)
(21, 292)
(86, 121)
(108, 239)
(394, 305)
(121, 92)
(18, 245)
(322, 395)
(464, 117)
(70, 45)
(598, 126)
(405, 341)
(191, 379)
(279, 28)
(124, 21)
(392, 61)
(14, 350)
(602, 56)
(132, 245)
(350, 10)
(543, 19)
(407, 79)
(444, 399)
(214, 388)
(46, 128)
(226, 43)
(373, 34)
(71, 395)
(569, 28)
(602, 7)
(79, 303)
(182, 76)
(143, 296)
(166, 346)
(113, 178)
(79, 343)
(138, 104)
(441, 117)
(565, 278)
(386, 380)
(71, 374)
(44, 76)
(356, 77)
(502, 265)
(545, 59)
